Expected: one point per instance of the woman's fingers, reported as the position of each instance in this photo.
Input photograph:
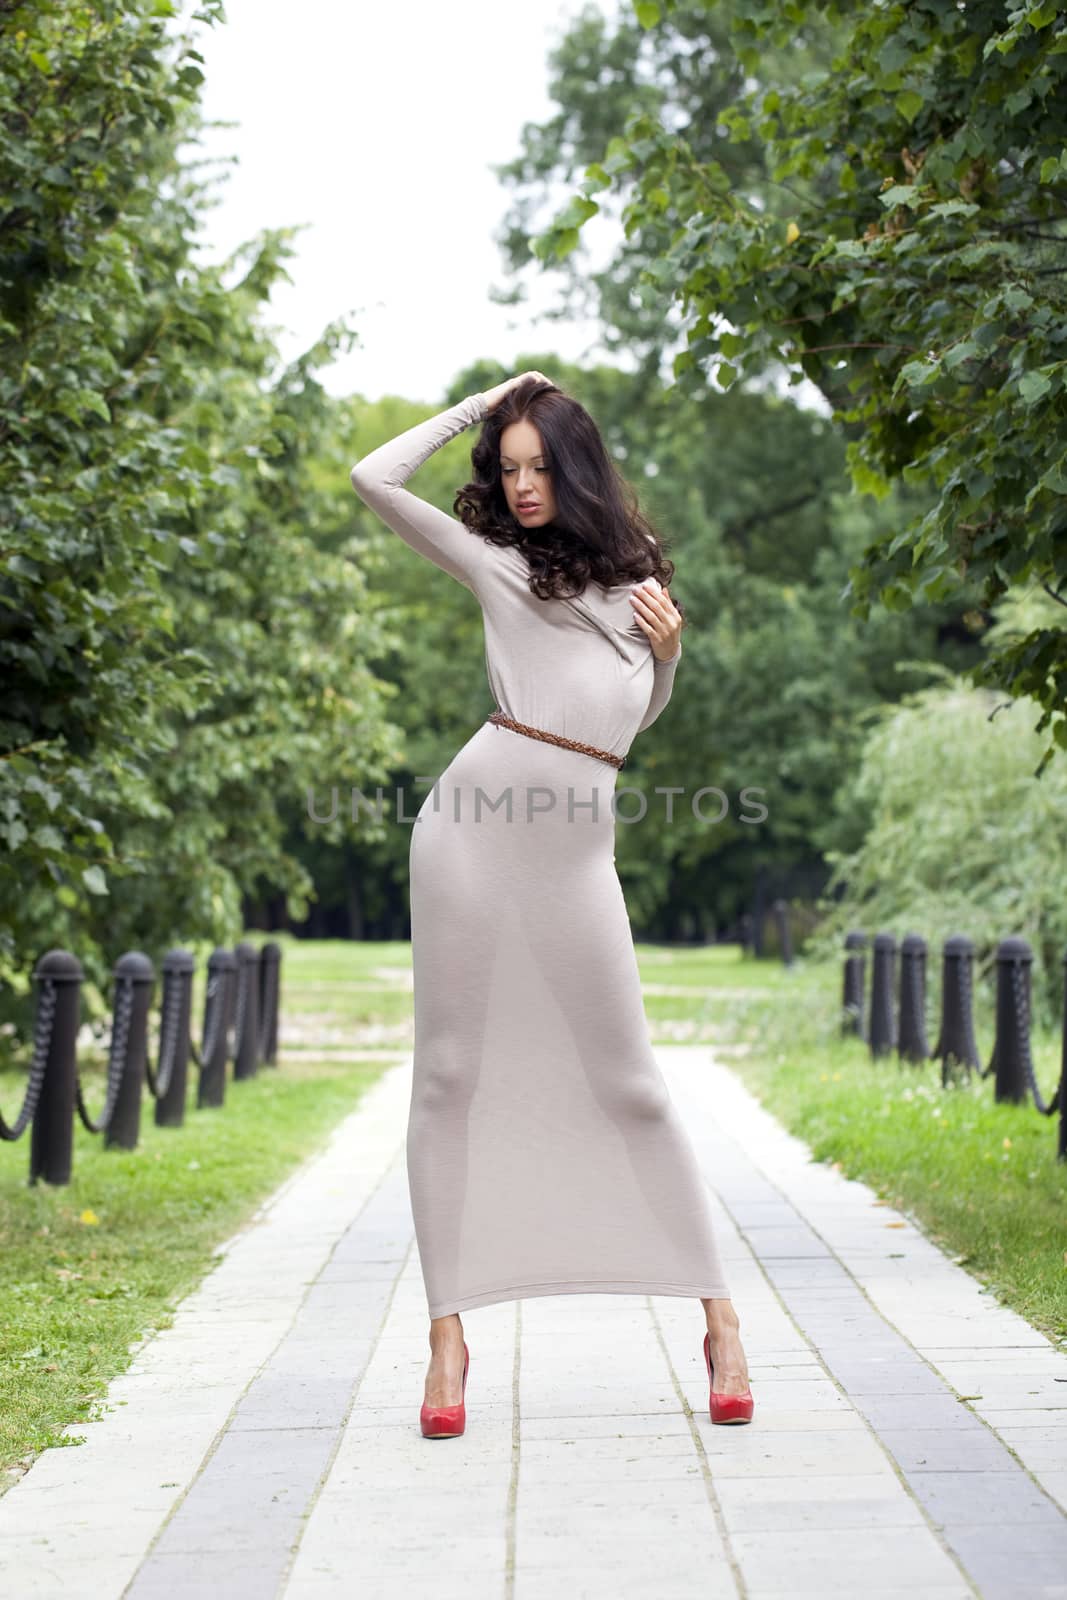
(494, 395)
(654, 602)
(656, 611)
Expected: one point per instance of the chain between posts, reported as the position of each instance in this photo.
(42, 1044)
(1022, 1025)
(213, 996)
(120, 1032)
(55, 1090)
(1011, 1060)
(159, 1081)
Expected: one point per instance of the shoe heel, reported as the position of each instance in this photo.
(447, 1422)
(726, 1407)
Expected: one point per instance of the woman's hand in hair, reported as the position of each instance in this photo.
(495, 395)
(658, 616)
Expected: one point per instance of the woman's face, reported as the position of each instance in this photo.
(525, 476)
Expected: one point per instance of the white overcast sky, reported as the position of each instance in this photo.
(374, 122)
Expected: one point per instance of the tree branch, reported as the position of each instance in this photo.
(740, 530)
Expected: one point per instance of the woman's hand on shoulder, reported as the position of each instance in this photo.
(495, 395)
(658, 616)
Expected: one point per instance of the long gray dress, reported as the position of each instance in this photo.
(544, 1153)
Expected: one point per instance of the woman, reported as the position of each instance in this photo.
(544, 1153)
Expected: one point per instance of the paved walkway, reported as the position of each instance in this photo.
(910, 1438)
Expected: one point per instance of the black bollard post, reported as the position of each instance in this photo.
(1011, 1046)
(219, 998)
(745, 935)
(58, 1018)
(171, 1078)
(913, 1045)
(852, 1018)
(785, 937)
(246, 1031)
(883, 1022)
(955, 1040)
(270, 958)
(759, 911)
(134, 977)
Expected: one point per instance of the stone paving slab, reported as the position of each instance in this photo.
(267, 1445)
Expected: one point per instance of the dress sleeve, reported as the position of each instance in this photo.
(662, 685)
(379, 477)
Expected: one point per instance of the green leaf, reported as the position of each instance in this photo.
(896, 597)
(866, 479)
(953, 208)
(94, 880)
(648, 12)
(725, 374)
(916, 373)
(901, 194)
(91, 401)
(938, 582)
(909, 104)
(966, 350)
(578, 210)
(1033, 386)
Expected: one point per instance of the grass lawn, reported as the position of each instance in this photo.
(91, 1267)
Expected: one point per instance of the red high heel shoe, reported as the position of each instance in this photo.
(447, 1422)
(726, 1407)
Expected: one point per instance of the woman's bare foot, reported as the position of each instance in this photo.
(730, 1369)
(444, 1379)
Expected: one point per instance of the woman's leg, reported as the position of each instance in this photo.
(727, 1355)
(444, 1379)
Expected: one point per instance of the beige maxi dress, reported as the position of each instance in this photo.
(544, 1153)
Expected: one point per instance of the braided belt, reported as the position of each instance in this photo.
(503, 721)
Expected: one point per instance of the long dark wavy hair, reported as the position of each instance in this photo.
(599, 532)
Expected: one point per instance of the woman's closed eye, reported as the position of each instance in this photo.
(506, 471)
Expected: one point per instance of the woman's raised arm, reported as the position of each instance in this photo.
(379, 477)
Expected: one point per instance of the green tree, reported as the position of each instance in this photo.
(957, 837)
(684, 75)
(907, 260)
(183, 642)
